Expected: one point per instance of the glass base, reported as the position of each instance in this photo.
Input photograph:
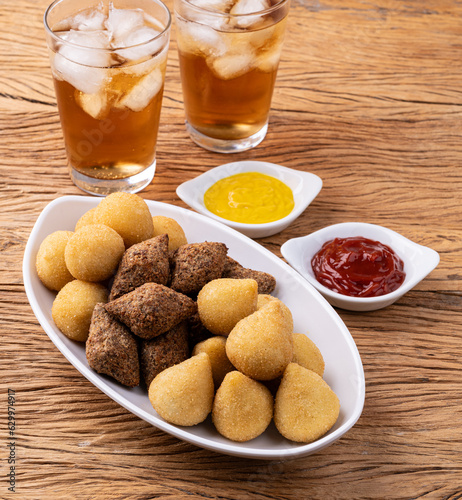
(103, 187)
(226, 146)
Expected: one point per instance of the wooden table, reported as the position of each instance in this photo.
(369, 98)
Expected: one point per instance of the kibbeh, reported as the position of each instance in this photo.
(163, 351)
(112, 349)
(145, 262)
(232, 269)
(195, 264)
(151, 309)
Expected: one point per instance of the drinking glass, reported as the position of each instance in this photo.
(108, 63)
(229, 55)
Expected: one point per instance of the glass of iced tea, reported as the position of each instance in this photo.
(229, 53)
(108, 63)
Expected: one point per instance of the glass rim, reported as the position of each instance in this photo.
(218, 13)
(59, 39)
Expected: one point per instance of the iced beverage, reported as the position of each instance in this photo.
(108, 64)
(229, 53)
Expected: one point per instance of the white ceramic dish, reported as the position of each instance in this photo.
(312, 313)
(305, 187)
(418, 261)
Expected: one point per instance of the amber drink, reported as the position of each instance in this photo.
(229, 53)
(108, 63)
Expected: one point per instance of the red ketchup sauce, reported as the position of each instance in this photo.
(358, 267)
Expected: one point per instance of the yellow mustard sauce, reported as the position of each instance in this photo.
(250, 198)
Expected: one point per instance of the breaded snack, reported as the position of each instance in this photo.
(307, 354)
(223, 302)
(151, 309)
(260, 345)
(183, 393)
(215, 348)
(176, 236)
(89, 217)
(128, 214)
(164, 351)
(145, 262)
(305, 406)
(50, 263)
(264, 299)
(93, 252)
(112, 349)
(242, 408)
(196, 331)
(232, 269)
(195, 264)
(73, 307)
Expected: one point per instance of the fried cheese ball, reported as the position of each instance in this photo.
(128, 214)
(215, 348)
(73, 307)
(242, 408)
(261, 345)
(305, 407)
(167, 225)
(307, 354)
(50, 264)
(225, 301)
(93, 252)
(183, 394)
(89, 217)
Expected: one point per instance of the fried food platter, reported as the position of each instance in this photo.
(312, 315)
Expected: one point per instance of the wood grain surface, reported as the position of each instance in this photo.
(368, 97)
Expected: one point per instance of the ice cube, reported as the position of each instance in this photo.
(219, 5)
(195, 37)
(141, 94)
(121, 22)
(265, 37)
(232, 65)
(89, 20)
(268, 60)
(81, 48)
(141, 68)
(141, 35)
(137, 48)
(249, 6)
(209, 16)
(242, 7)
(79, 64)
(95, 105)
(84, 78)
(97, 39)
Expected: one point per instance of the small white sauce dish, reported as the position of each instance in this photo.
(418, 261)
(304, 185)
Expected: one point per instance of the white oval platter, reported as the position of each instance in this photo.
(312, 316)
